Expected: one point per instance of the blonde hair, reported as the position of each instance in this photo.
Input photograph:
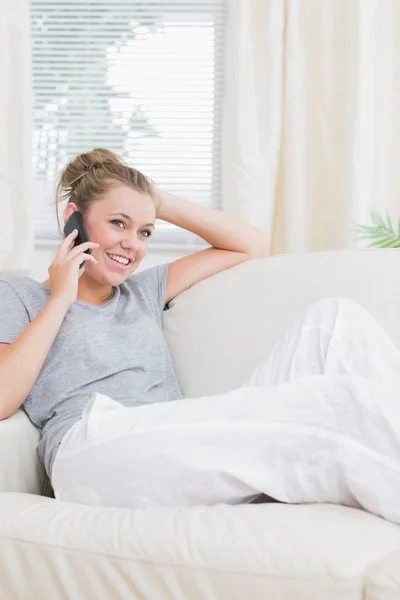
(89, 175)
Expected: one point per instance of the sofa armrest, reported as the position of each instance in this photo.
(20, 467)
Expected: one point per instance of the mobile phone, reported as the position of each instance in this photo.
(76, 222)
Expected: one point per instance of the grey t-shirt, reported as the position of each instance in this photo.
(117, 349)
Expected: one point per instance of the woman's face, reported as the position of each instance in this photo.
(121, 222)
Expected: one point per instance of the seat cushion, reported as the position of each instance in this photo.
(277, 551)
(383, 580)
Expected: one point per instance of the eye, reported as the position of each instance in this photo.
(146, 232)
(118, 221)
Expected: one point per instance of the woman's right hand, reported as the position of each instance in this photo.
(64, 271)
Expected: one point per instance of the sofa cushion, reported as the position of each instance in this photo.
(20, 468)
(383, 580)
(221, 328)
(277, 551)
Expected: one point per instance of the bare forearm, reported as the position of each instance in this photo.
(219, 229)
(21, 361)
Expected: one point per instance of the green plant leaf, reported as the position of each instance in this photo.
(375, 235)
(386, 243)
(381, 234)
(371, 234)
(379, 243)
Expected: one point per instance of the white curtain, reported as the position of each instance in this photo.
(16, 210)
(311, 130)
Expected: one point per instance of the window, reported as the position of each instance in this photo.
(143, 79)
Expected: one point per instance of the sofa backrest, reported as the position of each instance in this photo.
(219, 330)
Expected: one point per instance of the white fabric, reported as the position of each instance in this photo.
(318, 421)
(16, 207)
(311, 126)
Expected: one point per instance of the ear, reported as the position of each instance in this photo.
(69, 209)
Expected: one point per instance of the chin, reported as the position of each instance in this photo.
(116, 278)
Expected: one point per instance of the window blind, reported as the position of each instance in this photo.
(144, 79)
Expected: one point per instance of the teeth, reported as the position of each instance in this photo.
(119, 259)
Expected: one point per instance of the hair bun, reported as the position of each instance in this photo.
(99, 157)
(82, 164)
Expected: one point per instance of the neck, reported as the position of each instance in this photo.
(88, 296)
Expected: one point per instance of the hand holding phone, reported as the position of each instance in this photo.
(76, 222)
(66, 268)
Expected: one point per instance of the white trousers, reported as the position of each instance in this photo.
(318, 421)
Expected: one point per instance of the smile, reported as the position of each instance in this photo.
(118, 261)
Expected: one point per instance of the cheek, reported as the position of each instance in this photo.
(142, 250)
(108, 238)
(99, 233)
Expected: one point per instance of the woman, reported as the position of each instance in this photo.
(83, 352)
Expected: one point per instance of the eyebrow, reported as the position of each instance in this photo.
(130, 219)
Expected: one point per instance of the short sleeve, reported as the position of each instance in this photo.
(14, 317)
(153, 283)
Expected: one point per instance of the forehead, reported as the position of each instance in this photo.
(120, 198)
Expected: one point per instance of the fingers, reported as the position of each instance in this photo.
(84, 257)
(64, 247)
(81, 248)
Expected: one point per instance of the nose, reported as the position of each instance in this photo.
(131, 243)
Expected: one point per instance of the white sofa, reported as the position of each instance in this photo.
(217, 332)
